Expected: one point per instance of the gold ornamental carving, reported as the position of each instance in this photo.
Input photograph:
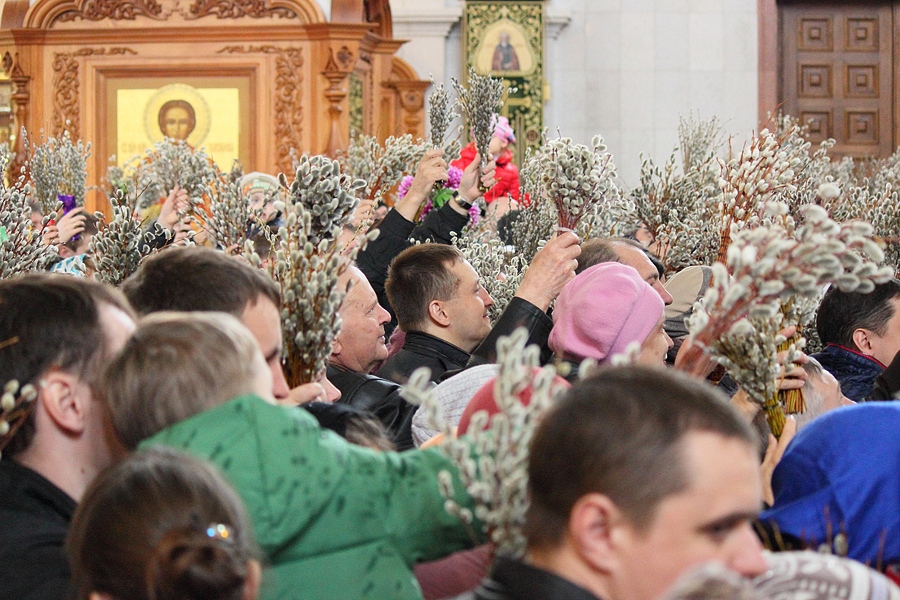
(104, 52)
(116, 10)
(288, 99)
(336, 71)
(65, 94)
(66, 112)
(236, 9)
(20, 98)
(411, 95)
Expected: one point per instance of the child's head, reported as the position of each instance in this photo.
(166, 526)
(177, 365)
(503, 136)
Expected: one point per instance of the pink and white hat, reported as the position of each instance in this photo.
(503, 130)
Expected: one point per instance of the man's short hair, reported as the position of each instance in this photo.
(417, 276)
(197, 279)
(49, 321)
(619, 433)
(842, 313)
(174, 366)
(597, 251)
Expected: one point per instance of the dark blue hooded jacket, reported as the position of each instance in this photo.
(841, 474)
(855, 371)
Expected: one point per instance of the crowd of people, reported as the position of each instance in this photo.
(152, 447)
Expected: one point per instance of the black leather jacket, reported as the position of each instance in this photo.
(379, 397)
(516, 580)
(423, 350)
(34, 519)
(444, 359)
(518, 313)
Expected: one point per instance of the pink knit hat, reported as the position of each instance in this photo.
(603, 310)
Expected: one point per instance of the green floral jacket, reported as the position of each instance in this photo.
(334, 520)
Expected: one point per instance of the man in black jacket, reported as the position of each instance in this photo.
(442, 306)
(56, 334)
(399, 230)
(635, 476)
(357, 350)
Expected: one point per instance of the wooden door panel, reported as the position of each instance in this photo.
(836, 73)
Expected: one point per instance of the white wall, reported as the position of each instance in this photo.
(326, 8)
(623, 68)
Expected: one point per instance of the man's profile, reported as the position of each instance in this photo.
(177, 119)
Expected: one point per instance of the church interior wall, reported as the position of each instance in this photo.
(626, 69)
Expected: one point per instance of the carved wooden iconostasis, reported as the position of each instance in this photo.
(246, 79)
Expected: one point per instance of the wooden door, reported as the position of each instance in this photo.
(837, 73)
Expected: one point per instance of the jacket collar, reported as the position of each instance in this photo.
(861, 358)
(18, 482)
(425, 343)
(526, 582)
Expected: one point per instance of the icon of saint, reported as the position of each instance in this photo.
(177, 119)
(505, 57)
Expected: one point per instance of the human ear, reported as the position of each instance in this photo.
(64, 398)
(862, 338)
(336, 346)
(64, 251)
(437, 313)
(593, 530)
(254, 577)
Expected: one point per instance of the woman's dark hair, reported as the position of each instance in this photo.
(161, 525)
(90, 228)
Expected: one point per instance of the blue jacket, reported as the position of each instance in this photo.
(840, 475)
(855, 372)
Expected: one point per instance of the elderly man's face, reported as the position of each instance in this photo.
(830, 389)
(708, 521)
(636, 259)
(360, 345)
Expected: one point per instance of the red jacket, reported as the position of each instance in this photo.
(507, 174)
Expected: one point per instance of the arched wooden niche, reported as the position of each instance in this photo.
(291, 74)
